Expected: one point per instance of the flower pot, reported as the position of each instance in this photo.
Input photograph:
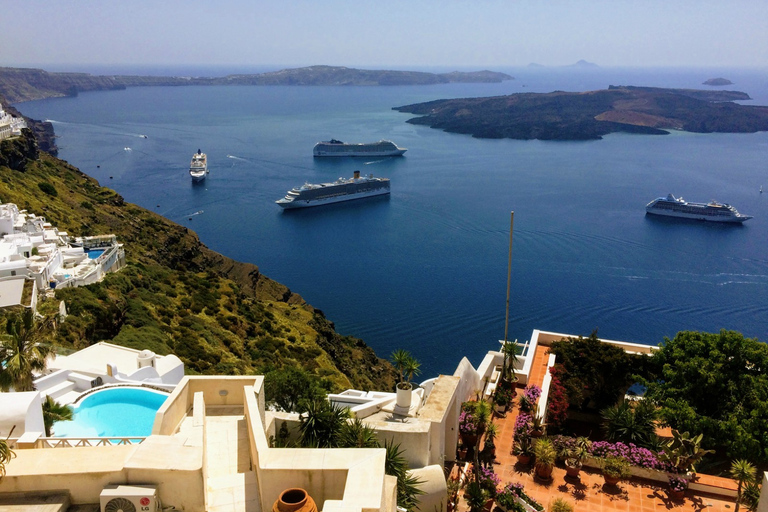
(404, 395)
(572, 471)
(488, 505)
(294, 500)
(469, 440)
(499, 409)
(544, 471)
(537, 433)
(611, 480)
(676, 495)
(524, 459)
(463, 453)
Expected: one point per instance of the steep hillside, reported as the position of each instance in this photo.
(176, 295)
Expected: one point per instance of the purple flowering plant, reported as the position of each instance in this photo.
(523, 425)
(678, 483)
(467, 425)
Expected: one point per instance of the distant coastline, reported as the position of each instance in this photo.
(591, 115)
(26, 84)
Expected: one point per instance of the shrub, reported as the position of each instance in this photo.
(48, 188)
(616, 467)
(560, 505)
(557, 403)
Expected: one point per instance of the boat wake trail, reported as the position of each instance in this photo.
(198, 212)
(233, 157)
(374, 162)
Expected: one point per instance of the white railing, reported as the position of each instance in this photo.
(75, 442)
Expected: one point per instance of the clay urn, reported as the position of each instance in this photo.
(294, 500)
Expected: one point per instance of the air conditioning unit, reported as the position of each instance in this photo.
(129, 498)
(98, 381)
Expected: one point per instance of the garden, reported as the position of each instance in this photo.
(703, 411)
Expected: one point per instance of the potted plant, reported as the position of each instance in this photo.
(507, 500)
(677, 487)
(537, 423)
(475, 496)
(528, 400)
(509, 350)
(523, 449)
(408, 367)
(573, 455)
(453, 487)
(683, 452)
(545, 454)
(501, 400)
(489, 447)
(560, 505)
(615, 469)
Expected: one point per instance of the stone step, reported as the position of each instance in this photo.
(32, 502)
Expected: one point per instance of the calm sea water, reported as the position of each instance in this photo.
(425, 269)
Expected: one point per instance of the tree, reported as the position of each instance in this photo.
(596, 374)
(715, 384)
(744, 473)
(53, 411)
(21, 353)
(291, 388)
(509, 350)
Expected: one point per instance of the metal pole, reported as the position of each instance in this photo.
(509, 277)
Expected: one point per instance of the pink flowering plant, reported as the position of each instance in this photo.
(467, 424)
(635, 455)
(488, 480)
(678, 483)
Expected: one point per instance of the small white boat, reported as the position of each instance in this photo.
(198, 168)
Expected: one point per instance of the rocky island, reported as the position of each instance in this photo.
(24, 84)
(718, 82)
(590, 115)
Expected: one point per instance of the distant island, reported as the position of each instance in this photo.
(24, 84)
(580, 64)
(590, 115)
(718, 81)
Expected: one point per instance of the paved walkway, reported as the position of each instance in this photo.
(588, 493)
(231, 481)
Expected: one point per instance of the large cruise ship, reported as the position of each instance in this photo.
(343, 189)
(713, 211)
(335, 147)
(198, 168)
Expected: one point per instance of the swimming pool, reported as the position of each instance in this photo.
(113, 412)
(94, 253)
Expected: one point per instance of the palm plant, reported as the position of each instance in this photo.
(408, 486)
(545, 454)
(743, 472)
(628, 424)
(53, 411)
(509, 350)
(321, 424)
(21, 353)
(356, 434)
(406, 365)
(6, 454)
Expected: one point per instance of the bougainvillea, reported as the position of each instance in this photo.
(557, 403)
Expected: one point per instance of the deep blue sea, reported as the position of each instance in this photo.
(426, 268)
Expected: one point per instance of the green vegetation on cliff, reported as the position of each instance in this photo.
(176, 295)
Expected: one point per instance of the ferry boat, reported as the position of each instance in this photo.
(343, 189)
(198, 168)
(335, 147)
(713, 211)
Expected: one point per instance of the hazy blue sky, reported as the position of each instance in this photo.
(387, 33)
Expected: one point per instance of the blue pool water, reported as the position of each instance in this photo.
(113, 412)
(94, 253)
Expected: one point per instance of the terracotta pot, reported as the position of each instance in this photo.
(488, 505)
(500, 410)
(572, 471)
(676, 495)
(611, 480)
(469, 440)
(524, 459)
(294, 500)
(463, 453)
(537, 433)
(544, 471)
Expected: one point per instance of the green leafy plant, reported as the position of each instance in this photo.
(475, 496)
(560, 505)
(683, 452)
(407, 366)
(21, 352)
(321, 424)
(743, 472)
(631, 422)
(574, 454)
(408, 487)
(53, 411)
(356, 434)
(6, 454)
(615, 467)
(545, 454)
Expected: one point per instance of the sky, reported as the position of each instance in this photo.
(384, 33)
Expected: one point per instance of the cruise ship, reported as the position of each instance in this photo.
(198, 168)
(343, 189)
(713, 211)
(335, 147)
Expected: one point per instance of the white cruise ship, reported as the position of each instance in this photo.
(198, 168)
(713, 211)
(335, 147)
(343, 189)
